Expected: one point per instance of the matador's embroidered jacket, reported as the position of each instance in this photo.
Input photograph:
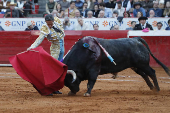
(53, 35)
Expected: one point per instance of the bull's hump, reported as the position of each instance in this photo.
(87, 39)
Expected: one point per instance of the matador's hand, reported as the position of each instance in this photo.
(29, 49)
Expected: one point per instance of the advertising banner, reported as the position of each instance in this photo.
(20, 24)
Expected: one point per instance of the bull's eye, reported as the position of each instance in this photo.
(86, 45)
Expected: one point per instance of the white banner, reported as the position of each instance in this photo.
(150, 33)
(20, 24)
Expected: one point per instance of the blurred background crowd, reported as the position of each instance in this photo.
(85, 8)
(80, 9)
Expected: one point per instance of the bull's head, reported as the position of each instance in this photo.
(70, 81)
(83, 55)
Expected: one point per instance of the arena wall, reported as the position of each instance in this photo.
(13, 42)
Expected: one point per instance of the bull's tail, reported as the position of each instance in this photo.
(160, 63)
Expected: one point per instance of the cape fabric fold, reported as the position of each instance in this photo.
(39, 68)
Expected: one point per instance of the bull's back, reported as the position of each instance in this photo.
(126, 52)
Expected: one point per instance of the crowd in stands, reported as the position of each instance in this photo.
(79, 9)
(108, 8)
(19, 8)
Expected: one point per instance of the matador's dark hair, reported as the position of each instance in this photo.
(49, 17)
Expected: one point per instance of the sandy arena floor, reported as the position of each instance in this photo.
(126, 94)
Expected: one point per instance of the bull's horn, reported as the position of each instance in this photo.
(73, 74)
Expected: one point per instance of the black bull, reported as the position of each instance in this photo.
(89, 62)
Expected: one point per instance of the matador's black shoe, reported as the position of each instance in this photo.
(57, 92)
(50, 94)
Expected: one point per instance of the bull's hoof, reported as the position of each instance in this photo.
(71, 94)
(156, 91)
(87, 95)
(114, 75)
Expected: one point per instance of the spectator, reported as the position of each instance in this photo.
(151, 13)
(133, 23)
(81, 25)
(165, 1)
(64, 4)
(71, 9)
(15, 12)
(57, 1)
(110, 4)
(90, 14)
(20, 5)
(32, 4)
(1, 29)
(120, 9)
(139, 14)
(95, 2)
(108, 12)
(4, 5)
(135, 1)
(115, 27)
(142, 24)
(84, 10)
(60, 11)
(30, 27)
(131, 3)
(55, 13)
(34, 1)
(95, 26)
(131, 12)
(50, 7)
(168, 28)
(77, 14)
(101, 14)
(159, 26)
(26, 8)
(67, 25)
(161, 4)
(126, 14)
(167, 10)
(96, 11)
(125, 3)
(79, 4)
(115, 14)
(66, 14)
(99, 1)
(90, 4)
(119, 19)
(137, 8)
(105, 1)
(158, 12)
(147, 4)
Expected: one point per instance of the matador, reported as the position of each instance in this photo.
(54, 32)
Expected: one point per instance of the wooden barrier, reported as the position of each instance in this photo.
(15, 42)
(159, 44)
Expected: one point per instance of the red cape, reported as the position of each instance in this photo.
(39, 68)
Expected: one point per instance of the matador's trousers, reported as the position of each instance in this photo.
(57, 50)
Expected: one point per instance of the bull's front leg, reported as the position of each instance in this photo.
(91, 81)
(90, 85)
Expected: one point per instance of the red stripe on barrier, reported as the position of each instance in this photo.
(13, 42)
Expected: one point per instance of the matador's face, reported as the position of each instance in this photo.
(49, 24)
